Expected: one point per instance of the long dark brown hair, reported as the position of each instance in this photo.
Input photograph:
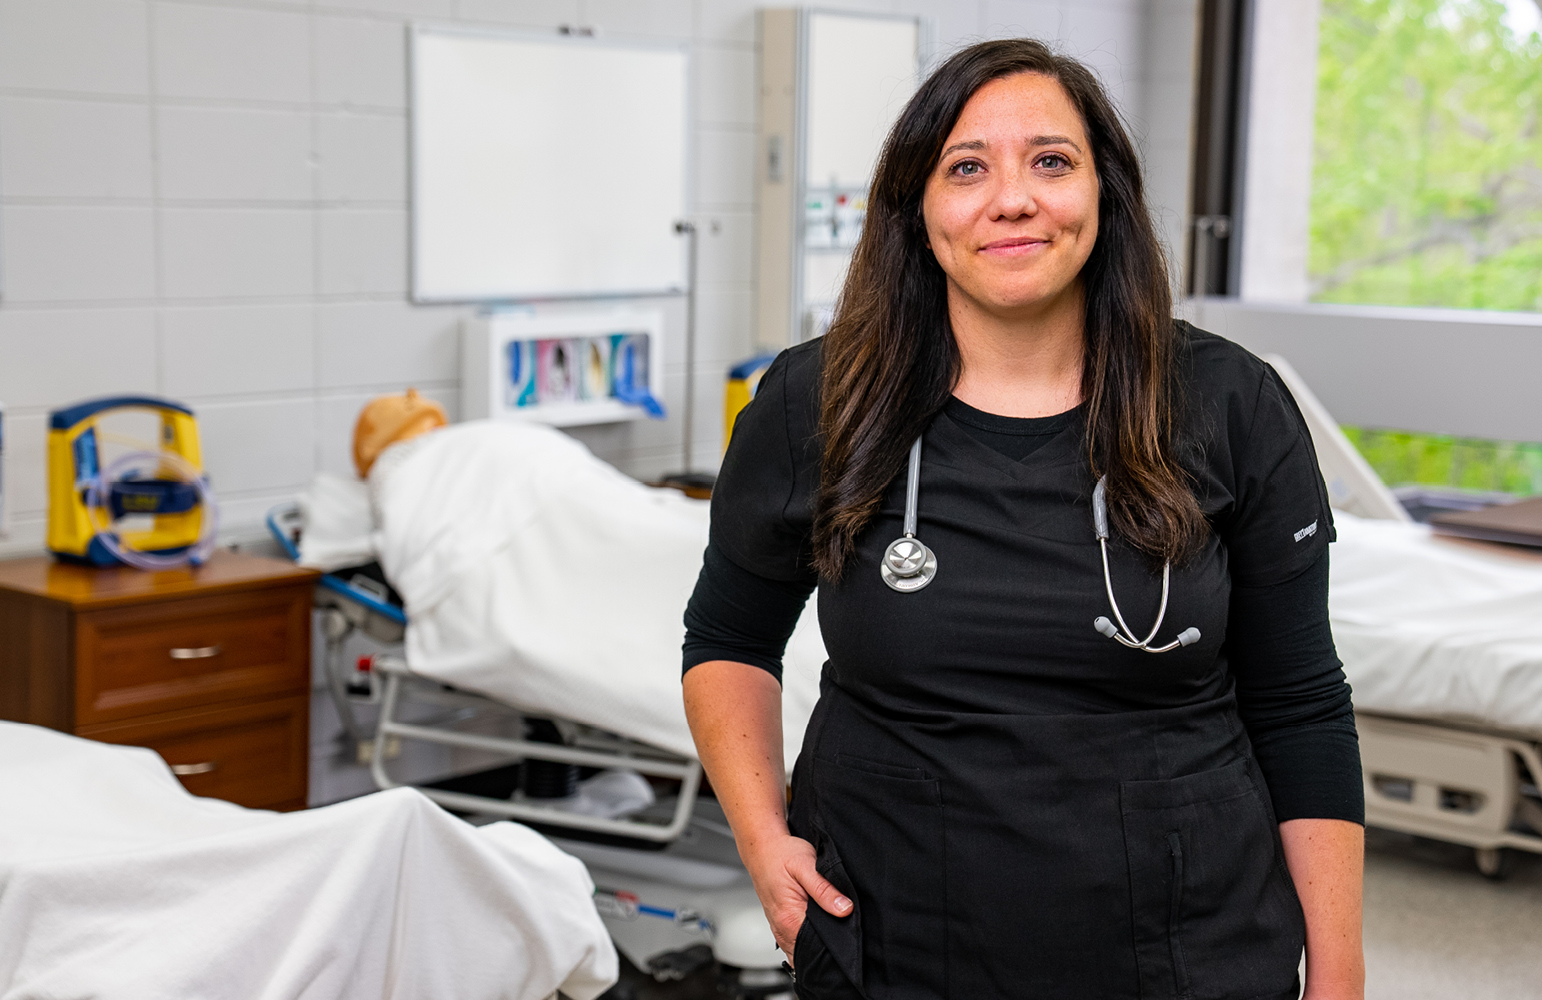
(890, 360)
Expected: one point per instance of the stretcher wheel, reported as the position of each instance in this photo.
(1493, 862)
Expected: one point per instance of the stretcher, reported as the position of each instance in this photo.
(349, 601)
(588, 660)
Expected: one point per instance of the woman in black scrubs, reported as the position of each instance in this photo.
(1007, 788)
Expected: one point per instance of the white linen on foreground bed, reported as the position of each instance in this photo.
(115, 882)
(538, 575)
(1435, 629)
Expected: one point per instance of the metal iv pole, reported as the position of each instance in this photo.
(693, 483)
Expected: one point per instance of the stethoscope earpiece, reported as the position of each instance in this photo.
(1121, 633)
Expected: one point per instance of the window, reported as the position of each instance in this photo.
(1427, 174)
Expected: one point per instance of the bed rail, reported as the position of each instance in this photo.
(636, 756)
(1452, 782)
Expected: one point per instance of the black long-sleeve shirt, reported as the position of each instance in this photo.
(1277, 653)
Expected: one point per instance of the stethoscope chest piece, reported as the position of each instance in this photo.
(908, 565)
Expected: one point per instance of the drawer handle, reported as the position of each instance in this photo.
(183, 770)
(195, 652)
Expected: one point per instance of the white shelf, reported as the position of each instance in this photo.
(577, 414)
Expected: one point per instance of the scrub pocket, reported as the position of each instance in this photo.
(817, 976)
(880, 835)
(1216, 915)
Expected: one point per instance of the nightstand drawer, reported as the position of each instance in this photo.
(251, 754)
(146, 659)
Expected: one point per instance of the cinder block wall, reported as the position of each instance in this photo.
(208, 201)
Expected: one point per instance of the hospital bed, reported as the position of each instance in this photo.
(356, 599)
(536, 581)
(1441, 640)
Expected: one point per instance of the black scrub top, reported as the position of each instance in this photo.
(1017, 804)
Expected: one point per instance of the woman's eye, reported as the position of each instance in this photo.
(1054, 161)
(966, 169)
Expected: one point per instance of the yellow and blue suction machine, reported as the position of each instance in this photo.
(162, 487)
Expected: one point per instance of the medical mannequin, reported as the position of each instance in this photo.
(1001, 792)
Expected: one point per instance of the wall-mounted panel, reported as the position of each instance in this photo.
(831, 87)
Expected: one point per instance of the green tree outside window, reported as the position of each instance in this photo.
(1405, 457)
(1427, 181)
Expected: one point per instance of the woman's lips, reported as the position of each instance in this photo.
(1013, 247)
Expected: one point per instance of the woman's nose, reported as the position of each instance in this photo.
(1013, 197)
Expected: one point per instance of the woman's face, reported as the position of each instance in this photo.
(1011, 208)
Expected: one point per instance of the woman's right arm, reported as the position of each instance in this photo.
(738, 622)
(735, 713)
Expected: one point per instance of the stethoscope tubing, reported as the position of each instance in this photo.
(908, 565)
(913, 489)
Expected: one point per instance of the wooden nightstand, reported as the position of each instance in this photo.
(210, 667)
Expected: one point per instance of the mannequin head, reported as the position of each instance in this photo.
(387, 420)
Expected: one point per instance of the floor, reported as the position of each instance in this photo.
(1434, 928)
(638, 985)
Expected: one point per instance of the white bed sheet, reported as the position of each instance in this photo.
(1432, 628)
(115, 882)
(538, 575)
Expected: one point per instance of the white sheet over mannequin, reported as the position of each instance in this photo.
(538, 575)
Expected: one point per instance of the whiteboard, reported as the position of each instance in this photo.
(545, 167)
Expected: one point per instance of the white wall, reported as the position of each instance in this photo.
(207, 200)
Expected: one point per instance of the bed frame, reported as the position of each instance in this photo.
(586, 746)
(1464, 785)
(346, 606)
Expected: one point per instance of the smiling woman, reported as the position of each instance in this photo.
(1001, 792)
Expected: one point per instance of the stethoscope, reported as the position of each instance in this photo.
(908, 565)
